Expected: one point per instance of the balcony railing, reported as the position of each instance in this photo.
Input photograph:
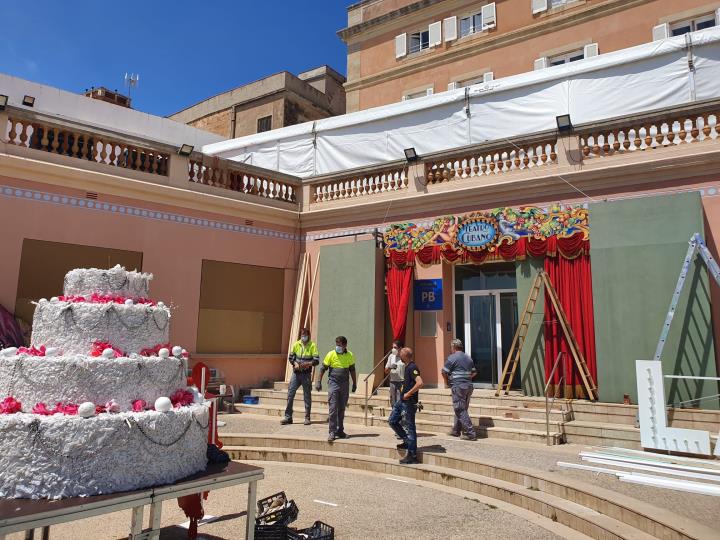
(86, 145)
(233, 176)
(361, 184)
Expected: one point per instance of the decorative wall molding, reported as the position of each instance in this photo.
(139, 212)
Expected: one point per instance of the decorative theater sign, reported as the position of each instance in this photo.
(506, 233)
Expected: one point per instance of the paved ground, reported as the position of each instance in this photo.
(702, 508)
(368, 506)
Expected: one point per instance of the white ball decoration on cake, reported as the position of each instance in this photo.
(54, 299)
(10, 351)
(86, 410)
(177, 350)
(108, 353)
(51, 351)
(129, 302)
(42, 300)
(163, 404)
(164, 353)
(161, 304)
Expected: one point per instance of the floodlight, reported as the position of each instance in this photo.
(411, 155)
(3, 102)
(564, 124)
(186, 150)
(28, 101)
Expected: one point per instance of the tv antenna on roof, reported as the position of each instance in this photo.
(131, 81)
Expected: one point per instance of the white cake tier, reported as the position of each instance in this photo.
(116, 282)
(79, 378)
(73, 327)
(69, 456)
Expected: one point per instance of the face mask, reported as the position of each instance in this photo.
(338, 349)
(304, 339)
(394, 351)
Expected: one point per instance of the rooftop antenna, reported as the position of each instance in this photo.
(131, 81)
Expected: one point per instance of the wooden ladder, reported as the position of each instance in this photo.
(513, 358)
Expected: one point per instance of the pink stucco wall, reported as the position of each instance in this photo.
(172, 251)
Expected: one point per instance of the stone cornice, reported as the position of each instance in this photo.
(346, 33)
(461, 50)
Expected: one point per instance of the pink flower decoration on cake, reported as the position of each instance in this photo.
(112, 406)
(96, 298)
(139, 405)
(99, 346)
(181, 398)
(41, 409)
(32, 351)
(69, 409)
(10, 405)
(154, 351)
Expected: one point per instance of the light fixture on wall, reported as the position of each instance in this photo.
(564, 124)
(411, 155)
(186, 150)
(3, 102)
(28, 101)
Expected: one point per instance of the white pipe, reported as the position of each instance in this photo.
(650, 468)
(691, 377)
(670, 483)
(677, 466)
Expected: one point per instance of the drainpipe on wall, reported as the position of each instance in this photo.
(232, 121)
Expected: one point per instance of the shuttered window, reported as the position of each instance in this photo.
(419, 41)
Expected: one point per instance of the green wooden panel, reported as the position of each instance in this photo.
(532, 356)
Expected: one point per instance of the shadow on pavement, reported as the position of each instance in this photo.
(433, 449)
(361, 435)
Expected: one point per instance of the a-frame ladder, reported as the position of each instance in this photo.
(513, 359)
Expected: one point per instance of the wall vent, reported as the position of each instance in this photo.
(249, 222)
(91, 195)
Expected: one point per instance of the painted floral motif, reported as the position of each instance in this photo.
(10, 405)
(513, 224)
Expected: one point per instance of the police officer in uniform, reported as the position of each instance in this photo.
(406, 408)
(303, 356)
(341, 365)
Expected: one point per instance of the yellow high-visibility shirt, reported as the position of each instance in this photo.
(305, 351)
(335, 360)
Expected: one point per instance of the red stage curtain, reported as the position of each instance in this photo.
(572, 279)
(398, 282)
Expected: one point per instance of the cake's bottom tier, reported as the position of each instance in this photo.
(58, 456)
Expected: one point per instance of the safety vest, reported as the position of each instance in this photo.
(305, 351)
(335, 360)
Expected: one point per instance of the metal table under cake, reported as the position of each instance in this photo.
(29, 514)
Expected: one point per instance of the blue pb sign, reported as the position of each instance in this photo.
(428, 295)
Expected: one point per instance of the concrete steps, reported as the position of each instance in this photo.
(590, 510)
(487, 427)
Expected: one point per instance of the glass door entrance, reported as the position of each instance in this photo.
(486, 320)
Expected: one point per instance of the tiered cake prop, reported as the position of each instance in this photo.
(99, 403)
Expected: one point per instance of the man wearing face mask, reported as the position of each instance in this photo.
(395, 367)
(341, 365)
(303, 356)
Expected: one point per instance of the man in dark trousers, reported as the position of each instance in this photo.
(407, 407)
(458, 373)
(303, 356)
(341, 364)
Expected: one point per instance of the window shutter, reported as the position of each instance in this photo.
(591, 50)
(450, 28)
(488, 16)
(717, 17)
(453, 85)
(538, 6)
(540, 63)
(661, 31)
(488, 77)
(400, 45)
(435, 34)
(429, 92)
(404, 98)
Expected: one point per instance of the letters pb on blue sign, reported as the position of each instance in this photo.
(428, 295)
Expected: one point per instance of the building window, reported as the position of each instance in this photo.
(264, 124)
(684, 27)
(419, 94)
(566, 58)
(471, 24)
(558, 3)
(419, 41)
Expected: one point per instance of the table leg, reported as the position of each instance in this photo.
(155, 513)
(136, 521)
(250, 517)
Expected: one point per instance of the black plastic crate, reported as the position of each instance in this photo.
(271, 532)
(264, 504)
(281, 516)
(319, 531)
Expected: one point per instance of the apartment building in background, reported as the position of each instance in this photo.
(406, 49)
(279, 100)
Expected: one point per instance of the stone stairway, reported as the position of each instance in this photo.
(588, 509)
(514, 416)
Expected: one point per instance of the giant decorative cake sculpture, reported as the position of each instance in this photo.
(99, 403)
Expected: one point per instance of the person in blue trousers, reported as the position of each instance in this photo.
(407, 407)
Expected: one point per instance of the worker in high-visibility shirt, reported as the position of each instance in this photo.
(341, 365)
(303, 356)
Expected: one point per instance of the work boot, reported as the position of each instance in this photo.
(331, 437)
(402, 446)
(286, 420)
(341, 435)
(467, 437)
(307, 421)
(453, 434)
(409, 460)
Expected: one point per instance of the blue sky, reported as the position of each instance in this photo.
(184, 51)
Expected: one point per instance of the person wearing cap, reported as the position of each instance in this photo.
(303, 356)
(340, 362)
(458, 373)
(402, 417)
